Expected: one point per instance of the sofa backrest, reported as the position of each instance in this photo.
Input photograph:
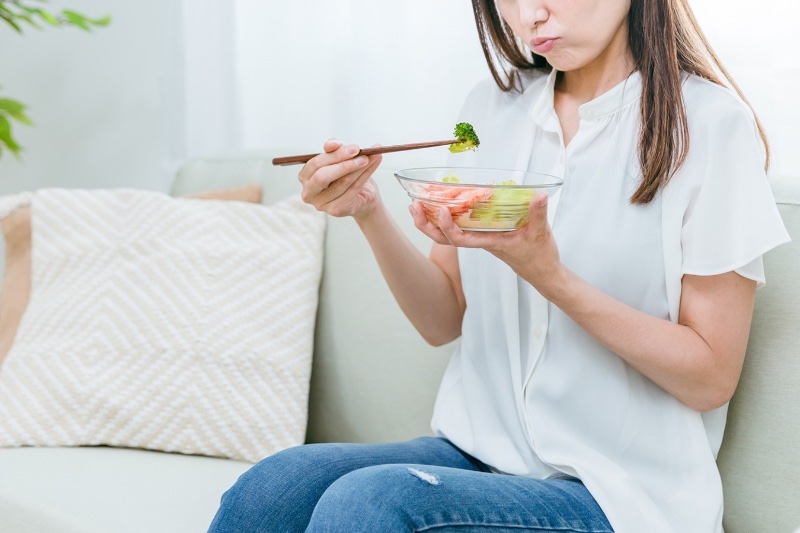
(374, 379)
(760, 455)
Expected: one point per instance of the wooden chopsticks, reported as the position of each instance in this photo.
(298, 159)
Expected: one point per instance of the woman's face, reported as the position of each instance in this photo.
(569, 33)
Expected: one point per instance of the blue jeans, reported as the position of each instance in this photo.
(426, 484)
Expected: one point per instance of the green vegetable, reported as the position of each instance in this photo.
(465, 133)
(506, 197)
(504, 205)
(451, 179)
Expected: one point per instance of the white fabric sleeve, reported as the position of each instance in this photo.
(733, 219)
(754, 270)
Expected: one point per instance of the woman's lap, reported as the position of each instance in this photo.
(421, 485)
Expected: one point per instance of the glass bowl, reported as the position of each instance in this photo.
(483, 199)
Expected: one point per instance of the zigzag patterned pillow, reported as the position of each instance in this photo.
(165, 324)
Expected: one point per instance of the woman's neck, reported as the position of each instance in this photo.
(576, 87)
(610, 68)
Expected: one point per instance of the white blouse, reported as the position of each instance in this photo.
(528, 391)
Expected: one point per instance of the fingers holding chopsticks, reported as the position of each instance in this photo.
(334, 180)
(335, 162)
(355, 194)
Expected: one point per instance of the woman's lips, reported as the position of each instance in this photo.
(542, 45)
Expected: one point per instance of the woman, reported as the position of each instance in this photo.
(601, 343)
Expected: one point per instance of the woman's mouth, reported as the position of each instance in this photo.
(542, 45)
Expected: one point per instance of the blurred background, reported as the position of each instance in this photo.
(171, 80)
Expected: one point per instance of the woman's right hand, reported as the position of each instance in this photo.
(339, 183)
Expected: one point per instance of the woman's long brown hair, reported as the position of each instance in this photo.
(665, 39)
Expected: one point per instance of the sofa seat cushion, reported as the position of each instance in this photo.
(98, 489)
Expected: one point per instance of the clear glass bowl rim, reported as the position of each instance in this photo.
(557, 181)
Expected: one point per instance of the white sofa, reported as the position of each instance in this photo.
(374, 379)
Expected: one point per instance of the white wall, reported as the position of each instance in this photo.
(96, 100)
(125, 105)
(361, 70)
(382, 72)
(207, 56)
(759, 43)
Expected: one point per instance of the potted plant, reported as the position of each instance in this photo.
(20, 13)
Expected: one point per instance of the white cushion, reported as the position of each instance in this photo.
(165, 324)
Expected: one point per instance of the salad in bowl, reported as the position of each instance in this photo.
(479, 199)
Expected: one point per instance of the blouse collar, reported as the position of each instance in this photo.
(615, 99)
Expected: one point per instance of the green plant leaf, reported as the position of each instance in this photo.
(5, 10)
(84, 22)
(10, 21)
(15, 110)
(11, 106)
(14, 13)
(42, 14)
(76, 19)
(6, 137)
(29, 20)
(48, 17)
(103, 21)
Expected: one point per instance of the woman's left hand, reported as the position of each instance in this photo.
(531, 250)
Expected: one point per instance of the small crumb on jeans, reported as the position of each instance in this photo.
(424, 476)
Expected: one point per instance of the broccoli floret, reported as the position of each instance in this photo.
(451, 179)
(465, 133)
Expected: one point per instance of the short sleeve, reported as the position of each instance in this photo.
(733, 219)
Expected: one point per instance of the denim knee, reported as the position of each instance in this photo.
(280, 489)
(370, 499)
(267, 474)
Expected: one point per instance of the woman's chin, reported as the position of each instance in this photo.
(564, 62)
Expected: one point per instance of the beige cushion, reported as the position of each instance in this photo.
(760, 455)
(17, 273)
(165, 324)
(16, 277)
(249, 192)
